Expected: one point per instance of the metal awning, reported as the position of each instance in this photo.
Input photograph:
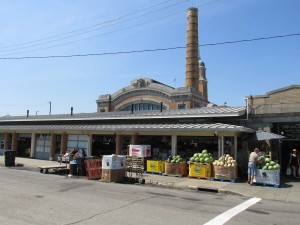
(264, 135)
(203, 112)
(130, 127)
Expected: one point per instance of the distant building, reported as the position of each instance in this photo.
(148, 94)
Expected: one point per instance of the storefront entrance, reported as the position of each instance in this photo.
(187, 146)
(24, 145)
(286, 148)
(103, 145)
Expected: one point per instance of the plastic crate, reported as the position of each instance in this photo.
(200, 170)
(154, 166)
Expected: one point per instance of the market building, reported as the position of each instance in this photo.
(172, 120)
(277, 111)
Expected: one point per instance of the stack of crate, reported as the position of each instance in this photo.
(113, 168)
(134, 167)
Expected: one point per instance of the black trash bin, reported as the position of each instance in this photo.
(10, 157)
(81, 167)
(73, 169)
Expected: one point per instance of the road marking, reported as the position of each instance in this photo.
(224, 217)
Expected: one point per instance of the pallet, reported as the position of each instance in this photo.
(47, 168)
(267, 185)
(62, 171)
(153, 173)
(173, 175)
(203, 178)
(223, 180)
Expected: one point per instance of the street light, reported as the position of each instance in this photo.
(50, 108)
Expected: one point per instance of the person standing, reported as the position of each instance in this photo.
(253, 158)
(294, 162)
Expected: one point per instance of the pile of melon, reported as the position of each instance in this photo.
(266, 163)
(175, 159)
(225, 161)
(203, 157)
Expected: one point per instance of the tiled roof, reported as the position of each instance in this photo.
(203, 112)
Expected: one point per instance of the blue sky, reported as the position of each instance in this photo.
(35, 28)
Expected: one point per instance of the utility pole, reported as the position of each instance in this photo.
(50, 108)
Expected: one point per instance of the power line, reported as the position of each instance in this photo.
(151, 50)
(108, 22)
(91, 37)
(23, 105)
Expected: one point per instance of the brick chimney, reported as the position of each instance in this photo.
(192, 51)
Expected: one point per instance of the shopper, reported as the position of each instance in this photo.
(294, 162)
(253, 158)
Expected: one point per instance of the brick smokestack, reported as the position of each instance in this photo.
(192, 51)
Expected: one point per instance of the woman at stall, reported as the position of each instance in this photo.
(294, 162)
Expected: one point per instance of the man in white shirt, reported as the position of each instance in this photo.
(253, 158)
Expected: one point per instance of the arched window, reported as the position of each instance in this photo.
(139, 106)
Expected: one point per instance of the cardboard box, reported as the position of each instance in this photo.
(113, 162)
(271, 177)
(140, 150)
(116, 175)
(225, 173)
(176, 168)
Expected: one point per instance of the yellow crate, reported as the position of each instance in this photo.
(200, 170)
(154, 166)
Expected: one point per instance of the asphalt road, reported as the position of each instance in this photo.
(28, 197)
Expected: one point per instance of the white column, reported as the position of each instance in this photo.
(32, 145)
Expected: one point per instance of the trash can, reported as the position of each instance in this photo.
(81, 167)
(10, 157)
(73, 167)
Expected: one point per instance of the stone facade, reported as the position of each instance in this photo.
(149, 91)
(283, 100)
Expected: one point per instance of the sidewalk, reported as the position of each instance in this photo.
(288, 192)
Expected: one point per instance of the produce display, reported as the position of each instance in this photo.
(175, 159)
(267, 172)
(225, 161)
(203, 157)
(266, 163)
(225, 168)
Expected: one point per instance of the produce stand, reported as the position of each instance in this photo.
(268, 177)
(200, 170)
(225, 173)
(267, 172)
(176, 169)
(155, 166)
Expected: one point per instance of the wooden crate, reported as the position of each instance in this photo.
(225, 173)
(200, 170)
(93, 168)
(154, 166)
(114, 175)
(176, 169)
